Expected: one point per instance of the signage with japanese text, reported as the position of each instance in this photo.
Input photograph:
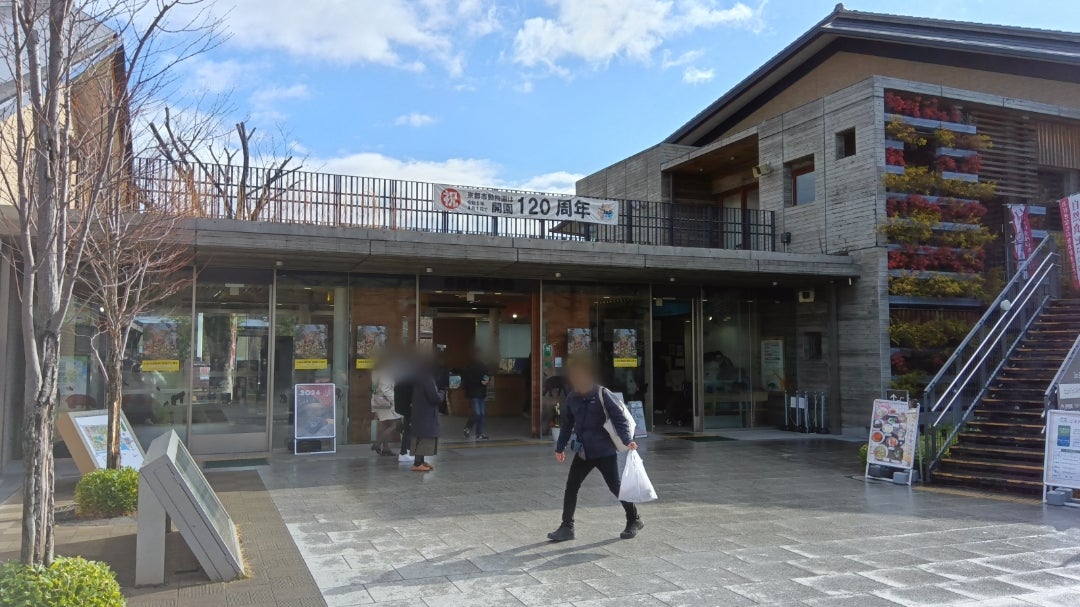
(498, 203)
(1070, 226)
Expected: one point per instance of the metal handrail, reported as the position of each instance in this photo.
(1028, 292)
(931, 388)
(1052, 390)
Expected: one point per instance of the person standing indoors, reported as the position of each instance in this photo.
(382, 405)
(584, 413)
(475, 382)
(426, 400)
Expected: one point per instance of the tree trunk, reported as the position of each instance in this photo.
(114, 382)
(39, 472)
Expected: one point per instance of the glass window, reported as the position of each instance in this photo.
(802, 181)
(231, 350)
(158, 370)
(845, 143)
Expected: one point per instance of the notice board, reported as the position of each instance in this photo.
(1062, 465)
(85, 433)
(894, 434)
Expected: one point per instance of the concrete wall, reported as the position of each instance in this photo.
(636, 178)
(845, 69)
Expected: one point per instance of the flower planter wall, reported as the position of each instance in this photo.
(934, 230)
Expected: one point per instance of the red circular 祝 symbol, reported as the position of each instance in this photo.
(450, 198)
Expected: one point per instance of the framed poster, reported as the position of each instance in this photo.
(85, 434)
(1062, 460)
(160, 347)
(772, 364)
(316, 414)
(310, 347)
(371, 341)
(894, 435)
(625, 348)
(74, 376)
(578, 341)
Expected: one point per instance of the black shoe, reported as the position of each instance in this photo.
(468, 432)
(562, 534)
(632, 527)
(482, 437)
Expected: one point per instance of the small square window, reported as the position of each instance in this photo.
(812, 345)
(802, 184)
(845, 143)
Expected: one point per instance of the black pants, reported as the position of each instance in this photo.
(579, 469)
(406, 436)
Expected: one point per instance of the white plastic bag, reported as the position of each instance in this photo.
(635, 485)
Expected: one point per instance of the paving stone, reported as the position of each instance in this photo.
(546, 594)
(1040, 580)
(922, 596)
(831, 564)
(904, 576)
(493, 598)
(856, 600)
(984, 588)
(624, 586)
(775, 591)
(1056, 598)
(841, 583)
(703, 596)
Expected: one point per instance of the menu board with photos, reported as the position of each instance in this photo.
(894, 434)
(1062, 465)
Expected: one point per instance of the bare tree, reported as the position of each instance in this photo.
(138, 254)
(243, 190)
(78, 69)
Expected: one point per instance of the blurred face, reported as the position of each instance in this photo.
(581, 379)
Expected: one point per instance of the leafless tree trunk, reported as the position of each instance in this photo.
(66, 161)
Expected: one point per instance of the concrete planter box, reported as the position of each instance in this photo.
(959, 176)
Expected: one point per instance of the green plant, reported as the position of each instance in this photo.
(915, 285)
(921, 180)
(914, 382)
(930, 334)
(974, 142)
(943, 431)
(945, 138)
(68, 582)
(864, 449)
(107, 493)
(906, 133)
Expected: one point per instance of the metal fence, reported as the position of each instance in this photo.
(311, 198)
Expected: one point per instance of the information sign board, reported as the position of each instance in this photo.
(316, 414)
(894, 434)
(1062, 465)
(85, 434)
(637, 411)
(170, 482)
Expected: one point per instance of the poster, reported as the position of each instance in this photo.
(626, 348)
(94, 431)
(772, 364)
(427, 326)
(1062, 465)
(578, 341)
(160, 347)
(310, 349)
(74, 376)
(316, 411)
(497, 203)
(1023, 241)
(637, 411)
(894, 434)
(371, 341)
(1070, 227)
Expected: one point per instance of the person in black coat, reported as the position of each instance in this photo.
(586, 409)
(426, 400)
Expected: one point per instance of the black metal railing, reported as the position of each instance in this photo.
(304, 197)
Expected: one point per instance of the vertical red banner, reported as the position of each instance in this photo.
(1070, 226)
(1023, 241)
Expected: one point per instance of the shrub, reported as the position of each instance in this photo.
(68, 582)
(107, 493)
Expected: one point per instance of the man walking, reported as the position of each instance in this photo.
(475, 380)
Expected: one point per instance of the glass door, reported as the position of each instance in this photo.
(231, 356)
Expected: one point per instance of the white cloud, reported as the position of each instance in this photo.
(397, 33)
(264, 101)
(460, 171)
(414, 119)
(215, 77)
(525, 86)
(696, 75)
(598, 31)
(668, 61)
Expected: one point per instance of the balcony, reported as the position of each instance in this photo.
(321, 199)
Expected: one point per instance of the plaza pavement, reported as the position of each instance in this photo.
(737, 523)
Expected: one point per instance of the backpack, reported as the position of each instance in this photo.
(609, 426)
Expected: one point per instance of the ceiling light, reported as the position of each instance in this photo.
(558, 274)
(428, 270)
(513, 315)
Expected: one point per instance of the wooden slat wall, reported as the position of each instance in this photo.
(1011, 163)
(1058, 144)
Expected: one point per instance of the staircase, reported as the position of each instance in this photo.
(1002, 444)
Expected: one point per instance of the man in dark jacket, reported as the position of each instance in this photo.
(475, 381)
(584, 413)
(426, 400)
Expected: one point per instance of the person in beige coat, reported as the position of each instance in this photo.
(382, 405)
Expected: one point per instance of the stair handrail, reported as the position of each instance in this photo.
(1023, 309)
(930, 392)
(1050, 396)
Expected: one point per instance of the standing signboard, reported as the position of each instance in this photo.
(894, 435)
(85, 434)
(1062, 465)
(316, 414)
(170, 483)
(637, 411)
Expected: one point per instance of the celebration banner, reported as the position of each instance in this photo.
(1070, 225)
(1023, 241)
(498, 203)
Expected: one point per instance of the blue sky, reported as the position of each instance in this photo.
(524, 93)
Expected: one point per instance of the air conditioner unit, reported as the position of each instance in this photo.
(806, 296)
(761, 169)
